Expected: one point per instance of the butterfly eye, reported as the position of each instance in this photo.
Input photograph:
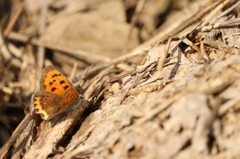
(81, 96)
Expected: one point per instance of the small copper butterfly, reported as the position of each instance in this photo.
(56, 94)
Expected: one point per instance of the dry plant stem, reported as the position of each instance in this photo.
(227, 106)
(78, 7)
(41, 49)
(92, 85)
(214, 44)
(114, 79)
(225, 12)
(7, 55)
(13, 21)
(85, 56)
(201, 55)
(100, 94)
(79, 54)
(214, 12)
(190, 21)
(164, 55)
(229, 23)
(122, 58)
(15, 135)
(138, 9)
(130, 73)
(135, 82)
(219, 25)
(203, 52)
(4, 51)
(74, 69)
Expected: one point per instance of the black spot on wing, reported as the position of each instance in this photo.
(55, 75)
(53, 89)
(50, 83)
(66, 87)
(62, 82)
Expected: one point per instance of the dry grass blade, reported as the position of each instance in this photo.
(13, 21)
(175, 100)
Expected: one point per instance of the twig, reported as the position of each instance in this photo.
(195, 47)
(73, 71)
(164, 55)
(78, 54)
(136, 52)
(189, 22)
(135, 82)
(41, 49)
(225, 12)
(219, 25)
(77, 6)
(214, 12)
(138, 9)
(13, 21)
(116, 78)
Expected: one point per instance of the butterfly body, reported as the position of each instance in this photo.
(56, 94)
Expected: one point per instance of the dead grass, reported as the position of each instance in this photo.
(161, 89)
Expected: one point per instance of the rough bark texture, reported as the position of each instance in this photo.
(175, 96)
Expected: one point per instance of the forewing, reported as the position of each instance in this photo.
(54, 81)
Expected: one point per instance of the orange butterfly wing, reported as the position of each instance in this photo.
(54, 81)
(56, 93)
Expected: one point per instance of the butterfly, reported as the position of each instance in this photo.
(56, 94)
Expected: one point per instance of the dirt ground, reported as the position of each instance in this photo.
(155, 79)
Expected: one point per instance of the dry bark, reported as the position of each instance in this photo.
(180, 101)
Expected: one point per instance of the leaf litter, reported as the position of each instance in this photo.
(187, 109)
